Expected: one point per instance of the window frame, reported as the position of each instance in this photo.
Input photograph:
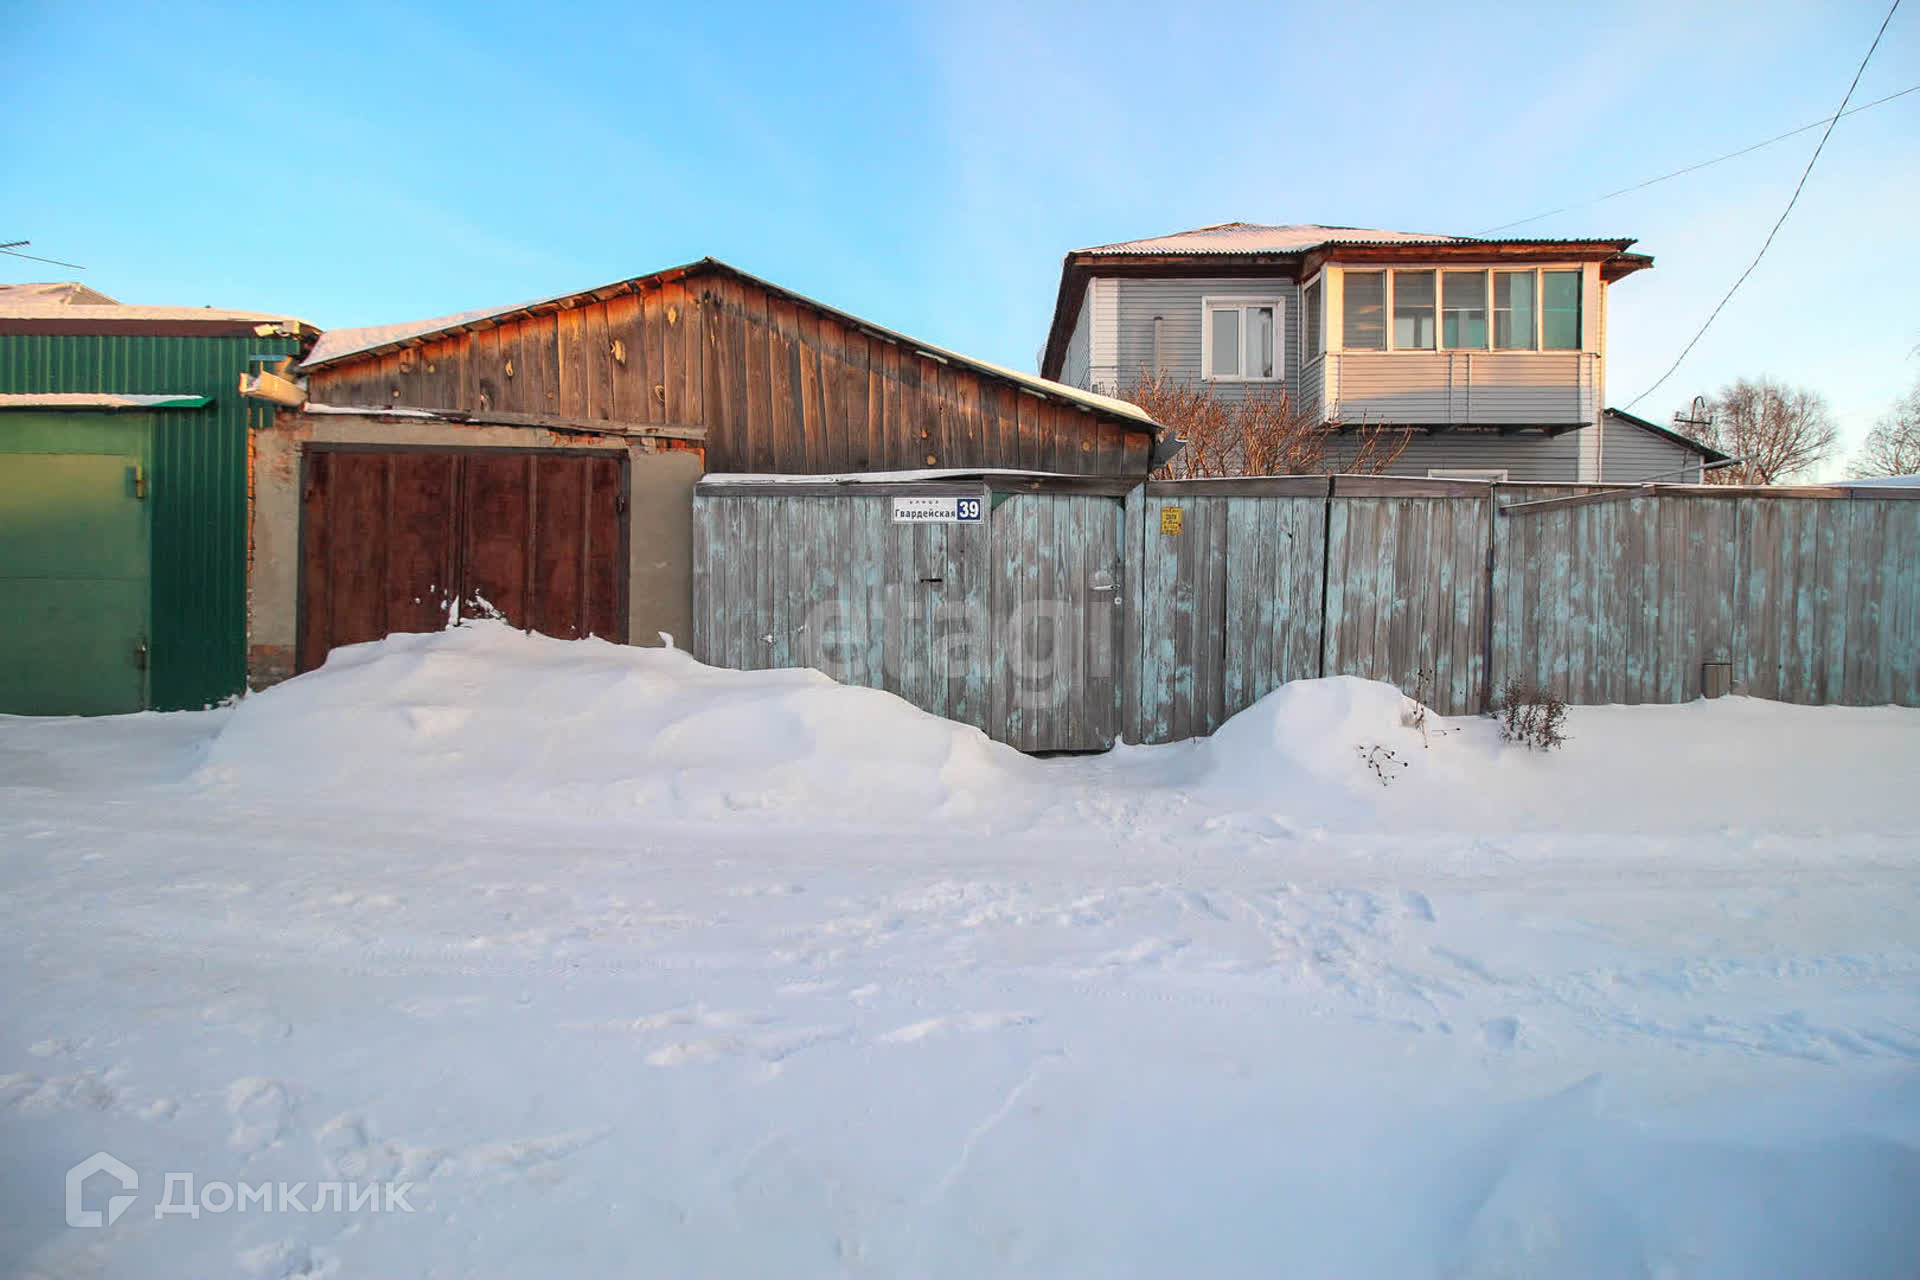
(1386, 308)
(1242, 303)
(1313, 322)
(1433, 308)
(1579, 306)
(1486, 308)
(1582, 304)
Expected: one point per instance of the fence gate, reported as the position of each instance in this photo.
(1058, 615)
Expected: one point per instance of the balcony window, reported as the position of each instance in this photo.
(1413, 310)
(1513, 310)
(1365, 309)
(1560, 310)
(1463, 310)
(1242, 340)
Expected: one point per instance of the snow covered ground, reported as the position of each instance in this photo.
(632, 967)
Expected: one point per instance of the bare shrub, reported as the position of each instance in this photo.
(1530, 716)
(1384, 762)
(1265, 434)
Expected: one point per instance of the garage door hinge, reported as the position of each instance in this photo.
(140, 654)
(140, 483)
(620, 503)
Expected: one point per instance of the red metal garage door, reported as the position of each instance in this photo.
(391, 538)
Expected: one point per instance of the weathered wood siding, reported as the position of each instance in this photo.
(1228, 608)
(832, 583)
(1809, 599)
(1406, 587)
(1012, 624)
(1058, 609)
(779, 385)
(1445, 589)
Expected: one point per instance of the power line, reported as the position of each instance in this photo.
(1781, 221)
(10, 251)
(1693, 168)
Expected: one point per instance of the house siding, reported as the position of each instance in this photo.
(1631, 456)
(1076, 364)
(1176, 302)
(1524, 456)
(1467, 388)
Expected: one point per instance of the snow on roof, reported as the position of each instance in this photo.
(97, 400)
(1248, 237)
(120, 311)
(70, 292)
(339, 344)
(1884, 482)
(724, 479)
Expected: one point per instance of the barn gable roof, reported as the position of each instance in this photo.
(342, 346)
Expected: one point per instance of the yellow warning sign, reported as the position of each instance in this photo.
(1170, 520)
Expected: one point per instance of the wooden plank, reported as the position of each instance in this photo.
(626, 363)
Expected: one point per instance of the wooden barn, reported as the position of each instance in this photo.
(542, 457)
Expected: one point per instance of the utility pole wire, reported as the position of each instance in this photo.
(1704, 164)
(1781, 221)
(10, 251)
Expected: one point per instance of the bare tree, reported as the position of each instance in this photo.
(1892, 448)
(1778, 432)
(1265, 434)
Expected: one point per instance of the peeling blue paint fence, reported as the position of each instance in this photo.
(1215, 592)
(1010, 620)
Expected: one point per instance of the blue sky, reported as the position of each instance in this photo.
(927, 167)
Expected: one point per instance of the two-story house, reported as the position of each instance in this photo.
(1489, 355)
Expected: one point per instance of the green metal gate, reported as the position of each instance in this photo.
(73, 584)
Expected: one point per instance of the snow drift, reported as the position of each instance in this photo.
(494, 719)
(497, 719)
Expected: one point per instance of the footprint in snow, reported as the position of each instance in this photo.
(771, 1048)
(955, 1022)
(260, 1109)
(285, 1260)
(1500, 1033)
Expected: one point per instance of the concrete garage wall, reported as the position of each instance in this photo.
(661, 480)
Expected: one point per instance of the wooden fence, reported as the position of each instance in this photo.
(1215, 592)
(1603, 594)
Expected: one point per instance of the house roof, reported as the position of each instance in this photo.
(1248, 237)
(339, 346)
(71, 292)
(1706, 452)
(71, 316)
(1296, 248)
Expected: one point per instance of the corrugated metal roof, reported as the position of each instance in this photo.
(1248, 237)
(343, 344)
(98, 400)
